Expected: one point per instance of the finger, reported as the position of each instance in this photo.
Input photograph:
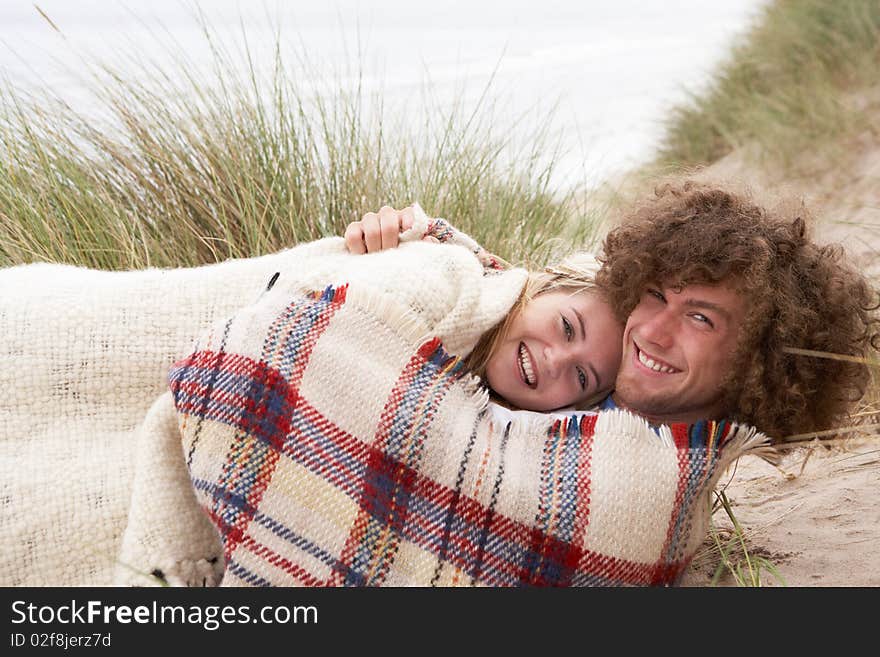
(354, 238)
(389, 226)
(407, 218)
(372, 232)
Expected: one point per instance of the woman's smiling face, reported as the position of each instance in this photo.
(561, 349)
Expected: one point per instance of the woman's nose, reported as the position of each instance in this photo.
(555, 360)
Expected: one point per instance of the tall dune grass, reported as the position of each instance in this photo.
(183, 170)
(787, 87)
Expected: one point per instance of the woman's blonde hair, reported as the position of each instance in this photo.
(576, 273)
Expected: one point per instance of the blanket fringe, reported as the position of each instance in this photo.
(395, 315)
(742, 440)
(734, 440)
(621, 421)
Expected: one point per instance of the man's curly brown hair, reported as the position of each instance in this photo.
(799, 295)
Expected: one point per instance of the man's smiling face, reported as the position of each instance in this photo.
(678, 347)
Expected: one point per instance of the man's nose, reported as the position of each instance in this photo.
(659, 329)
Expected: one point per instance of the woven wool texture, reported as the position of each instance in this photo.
(93, 487)
(82, 356)
(334, 442)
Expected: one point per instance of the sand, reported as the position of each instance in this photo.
(815, 517)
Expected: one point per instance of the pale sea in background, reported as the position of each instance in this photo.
(608, 69)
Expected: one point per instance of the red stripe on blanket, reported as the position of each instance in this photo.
(301, 312)
(388, 478)
(298, 573)
(689, 468)
(584, 473)
(325, 462)
(680, 435)
(254, 417)
(557, 519)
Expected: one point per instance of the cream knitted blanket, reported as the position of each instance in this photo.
(90, 461)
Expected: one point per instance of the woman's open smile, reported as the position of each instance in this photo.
(563, 348)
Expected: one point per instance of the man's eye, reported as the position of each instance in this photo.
(566, 326)
(582, 378)
(657, 295)
(700, 317)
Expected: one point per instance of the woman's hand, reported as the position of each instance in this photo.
(377, 231)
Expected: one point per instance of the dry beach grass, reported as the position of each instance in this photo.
(187, 167)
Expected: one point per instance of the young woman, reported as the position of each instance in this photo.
(95, 349)
(559, 345)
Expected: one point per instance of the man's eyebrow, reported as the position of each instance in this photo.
(708, 305)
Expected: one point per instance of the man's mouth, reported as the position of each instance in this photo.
(653, 363)
(527, 366)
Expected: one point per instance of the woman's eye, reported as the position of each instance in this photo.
(657, 295)
(582, 378)
(566, 326)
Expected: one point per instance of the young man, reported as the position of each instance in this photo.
(718, 296)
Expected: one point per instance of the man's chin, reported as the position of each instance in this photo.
(644, 402)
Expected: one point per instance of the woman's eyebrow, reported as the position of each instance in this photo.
(596, 376)
(584, 337)
(580, 321)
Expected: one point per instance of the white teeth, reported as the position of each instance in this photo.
(526, 364)
(657, 367)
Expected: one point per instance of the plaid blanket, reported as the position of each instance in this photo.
(333, 443)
